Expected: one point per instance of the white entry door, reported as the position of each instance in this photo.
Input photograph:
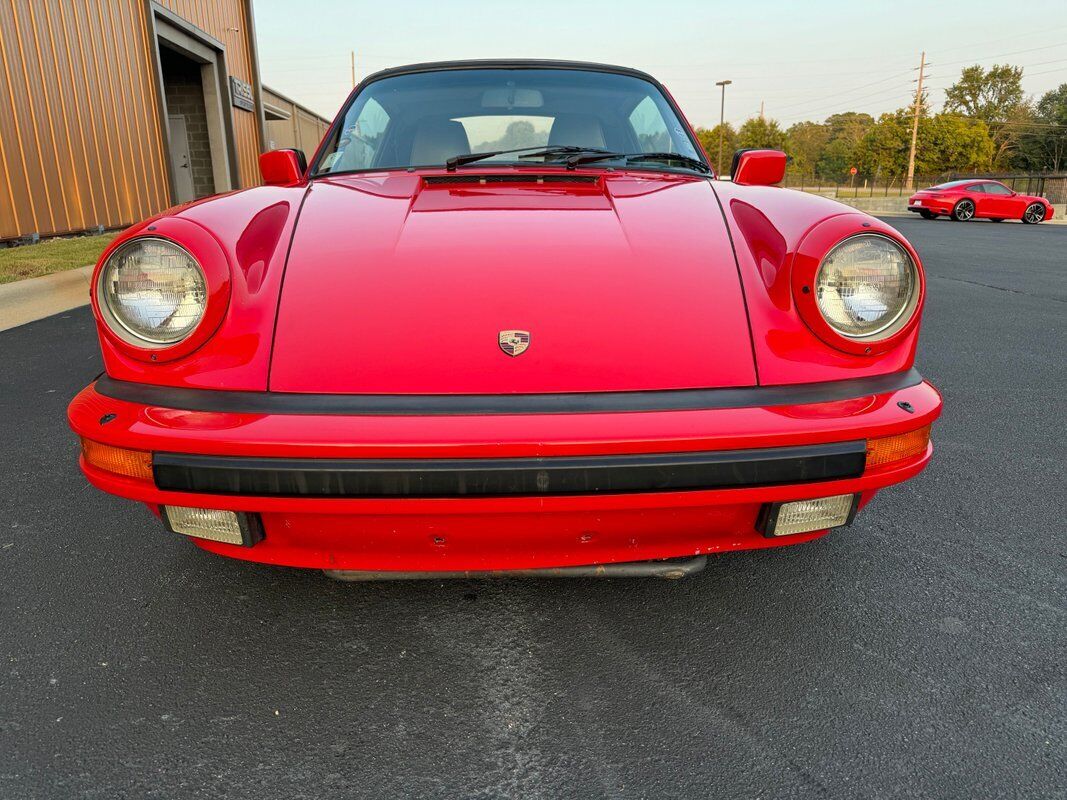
(179, 159)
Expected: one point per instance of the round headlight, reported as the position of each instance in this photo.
(152, 293)
(867, 287)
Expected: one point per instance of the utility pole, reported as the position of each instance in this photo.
(722, 122)
(915, 121)
(353, 69)
(761, 111)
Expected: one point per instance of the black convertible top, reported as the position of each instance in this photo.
(508, 63)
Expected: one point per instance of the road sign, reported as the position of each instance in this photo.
(853, 171)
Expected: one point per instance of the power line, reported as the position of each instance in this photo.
(1003, 38)
(836, 108)
(823, 110)
(1043, 72)
(850, 91)
(976, 59)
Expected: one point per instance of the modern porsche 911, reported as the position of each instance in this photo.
(979, 199)
(508, 320)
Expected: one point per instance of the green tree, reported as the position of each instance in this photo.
(996, 97)
(955, 143)
(806, 142)
(1009, 136)
(838, 157)
(757, 132)
(842, 152)
(1042, 139)
(945, 143)
(709, 140)
(989, 95)
(850, 126)
(884, 148)
(1052, 107)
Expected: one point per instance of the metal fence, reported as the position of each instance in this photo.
(1048, 185)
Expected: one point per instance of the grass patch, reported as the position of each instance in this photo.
(51, 255)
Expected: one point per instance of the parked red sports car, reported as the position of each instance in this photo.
(970, 199)
(507, 320)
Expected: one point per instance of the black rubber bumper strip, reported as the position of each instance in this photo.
(505, 477)
(478, 404)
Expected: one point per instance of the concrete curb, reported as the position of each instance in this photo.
(37, 298)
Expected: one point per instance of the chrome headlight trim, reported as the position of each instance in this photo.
(901, 317)
(125, 329)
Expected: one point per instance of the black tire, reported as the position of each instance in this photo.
(996, 219)
(963, 211)
(1035, 213)
(927, 214)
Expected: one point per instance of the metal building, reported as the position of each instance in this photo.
(290, 124)
(112, 110)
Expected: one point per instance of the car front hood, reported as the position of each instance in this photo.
(399, 286)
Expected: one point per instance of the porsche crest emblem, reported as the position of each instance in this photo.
(514, 343)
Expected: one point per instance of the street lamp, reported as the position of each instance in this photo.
(722, 121)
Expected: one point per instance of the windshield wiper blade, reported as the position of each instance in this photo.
(692, 163)
(470, 158)
(563, 149)
(695, 163)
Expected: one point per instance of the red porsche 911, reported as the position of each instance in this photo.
(506, 321)
(979, 199)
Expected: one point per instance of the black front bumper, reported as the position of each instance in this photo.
(504, 477)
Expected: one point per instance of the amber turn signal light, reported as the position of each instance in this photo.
(896, 448)
(131, 463)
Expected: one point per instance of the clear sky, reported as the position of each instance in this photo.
(804, 60)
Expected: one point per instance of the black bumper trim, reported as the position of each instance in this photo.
(473, 404)
(508, 477)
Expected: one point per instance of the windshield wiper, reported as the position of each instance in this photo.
(563, 149)
(692, 163)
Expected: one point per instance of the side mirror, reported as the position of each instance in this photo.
(758, 167)
(282, 167)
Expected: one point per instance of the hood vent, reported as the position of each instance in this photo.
(516, 178)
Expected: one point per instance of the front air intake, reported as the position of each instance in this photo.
(515, 178)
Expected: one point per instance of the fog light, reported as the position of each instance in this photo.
(804, 516)
(230, 527)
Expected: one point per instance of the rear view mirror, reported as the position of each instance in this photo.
(282, 167)
(758, 167)
(510, 97)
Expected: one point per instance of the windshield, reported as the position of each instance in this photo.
(424, 119)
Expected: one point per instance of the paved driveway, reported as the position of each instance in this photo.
(920, 653)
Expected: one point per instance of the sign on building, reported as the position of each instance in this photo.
(241, 94)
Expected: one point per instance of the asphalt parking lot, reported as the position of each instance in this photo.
(919, 653)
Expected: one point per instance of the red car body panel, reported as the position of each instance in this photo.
(253, 229)
(769, 228)
(403, 314)
(389, 285)
(987, 206)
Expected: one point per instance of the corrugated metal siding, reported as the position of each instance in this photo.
(81, 139)
(226, 21)
(310, 130)
(303, 130)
